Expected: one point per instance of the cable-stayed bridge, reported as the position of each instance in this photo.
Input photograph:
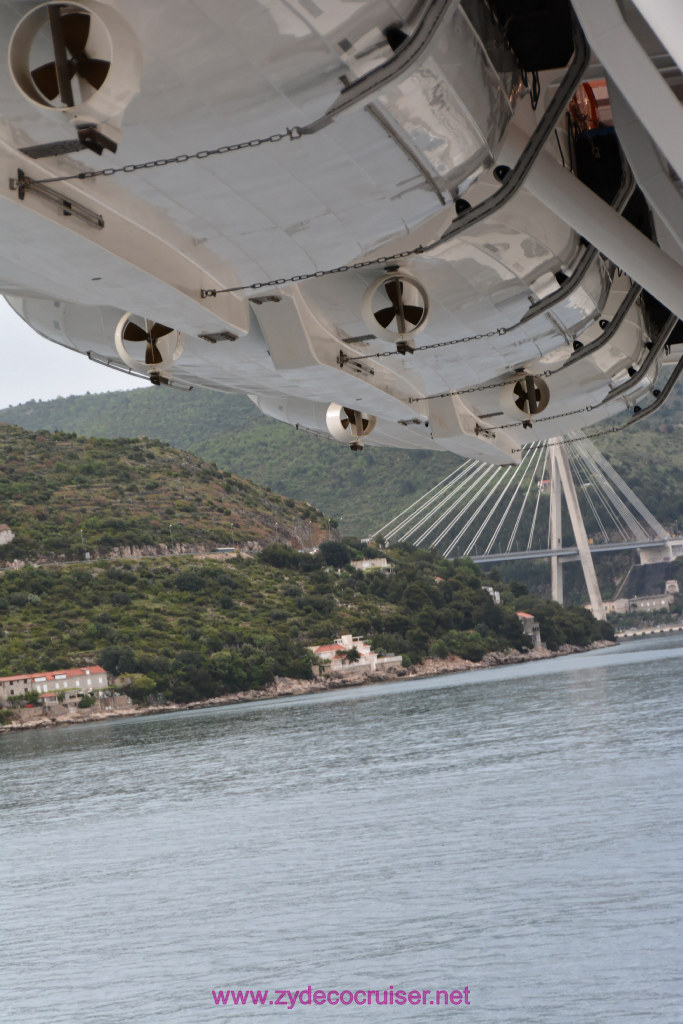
(506, 513)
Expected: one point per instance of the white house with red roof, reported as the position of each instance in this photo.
(69, 682)
(335, 655)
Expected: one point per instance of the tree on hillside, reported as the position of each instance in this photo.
(335, 553)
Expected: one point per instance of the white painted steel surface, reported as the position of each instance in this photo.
(382, 177)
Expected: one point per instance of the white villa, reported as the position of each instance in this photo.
(365, 564)
(70, 682)
(334, 655)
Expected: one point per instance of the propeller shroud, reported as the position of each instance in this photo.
(163, 345)
(78, 61)
(525, 395)
(349, 425)
(396, 307)
(70, 32)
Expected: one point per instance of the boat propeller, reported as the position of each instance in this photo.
(69, 32)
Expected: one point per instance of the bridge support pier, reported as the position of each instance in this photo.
(556, 580)
(561, 478)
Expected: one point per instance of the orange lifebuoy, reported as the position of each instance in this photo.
(583, 109)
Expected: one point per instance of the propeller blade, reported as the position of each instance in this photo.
(413, 314)
(93, 71)
(394, 290)
(63, 67)
(131, 332)
(75, 30)
(159, 330)
(45, 78)
(153, 355)
(527, 395)
(385, 316)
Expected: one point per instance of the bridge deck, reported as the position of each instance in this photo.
(570, 554)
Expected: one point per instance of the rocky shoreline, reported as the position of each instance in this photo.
(39, 718)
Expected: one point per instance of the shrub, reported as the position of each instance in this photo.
(468, 644)
(335, 553)
(438, 649)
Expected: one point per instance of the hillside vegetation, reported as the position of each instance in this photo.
(360, 489)
(363, 490)
(186, 629)
(63, 496)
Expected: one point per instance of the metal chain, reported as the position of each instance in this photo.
(499, 332)
(496, 384)
(576, 440)
(208, 293)
(481, 387)
(547, 419)
(181, 158)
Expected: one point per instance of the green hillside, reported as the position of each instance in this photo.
(63, 496)
(363, 489)
(186, 629)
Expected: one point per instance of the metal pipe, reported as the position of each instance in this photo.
(665, 18)
(625, 60)
(662, 397)
(647, 362)
(591, 347)
(584, 211)
(646, 164)
(618, 203)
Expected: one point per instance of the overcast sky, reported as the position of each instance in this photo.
(31, 367)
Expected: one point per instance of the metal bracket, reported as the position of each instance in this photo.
(647, 361)
(610, 330)
(69, 207)
(154, 378)
(363, 90)
(640, 414)
(354, 365)
(219, 336)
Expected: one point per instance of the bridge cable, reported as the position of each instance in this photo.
(538, 499)
(586, 484)
(451, 501)
(520, 469)
(483, 481)
(443, 497)
(609, 471)
(541, 454)
(382, 530)
(499, 475)
(622, 515)
(494, 536)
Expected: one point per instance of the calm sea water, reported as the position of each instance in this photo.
(517, 831)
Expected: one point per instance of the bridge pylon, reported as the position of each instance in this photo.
(562, 482)
(493, 513)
